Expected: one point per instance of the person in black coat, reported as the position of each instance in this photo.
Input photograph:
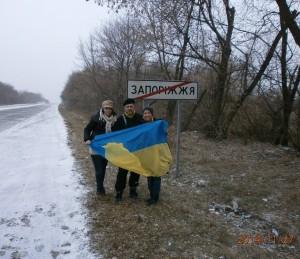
(154, 182)
(127, 120)
(100, 123)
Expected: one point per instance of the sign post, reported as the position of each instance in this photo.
(165, 90)
(178, 120)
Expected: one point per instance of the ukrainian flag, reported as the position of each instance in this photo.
(142, 149)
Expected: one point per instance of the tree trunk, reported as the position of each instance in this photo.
(180, 64)
(289, 19)
(219, 95)
(288, 92)
(253, 84)
(190, 116)
(222, 76)
(287, 109)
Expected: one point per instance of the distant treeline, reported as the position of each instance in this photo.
(8, 95)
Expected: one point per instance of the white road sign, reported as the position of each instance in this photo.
(164, 90)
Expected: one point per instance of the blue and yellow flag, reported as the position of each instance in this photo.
(142, 149)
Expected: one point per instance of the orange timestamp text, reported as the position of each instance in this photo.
(259, 239)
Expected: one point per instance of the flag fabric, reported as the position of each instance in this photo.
(142, 149)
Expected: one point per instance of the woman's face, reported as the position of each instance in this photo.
(147, 116)
(107, 111)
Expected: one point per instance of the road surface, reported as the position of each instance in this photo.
(41, 215)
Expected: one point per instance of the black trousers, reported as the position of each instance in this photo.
(154, 187)
(100, 164)
(122, 178)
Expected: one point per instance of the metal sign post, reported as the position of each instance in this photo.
(178, 137)
(164, 90)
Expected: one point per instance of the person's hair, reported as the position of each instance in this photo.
(129, 101)
(149, 109)
(107, 104)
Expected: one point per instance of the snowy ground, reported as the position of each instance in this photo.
(40, 196)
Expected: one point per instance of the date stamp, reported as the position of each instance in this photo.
(267, 239)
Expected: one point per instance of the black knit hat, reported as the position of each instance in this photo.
(149, 109)
(129, 101)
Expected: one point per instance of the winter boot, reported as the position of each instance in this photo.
(101, 191)
(132, 193)
(118, 196)
(150, 202)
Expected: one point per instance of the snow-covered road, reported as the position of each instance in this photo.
(13, 114)
(40, 208)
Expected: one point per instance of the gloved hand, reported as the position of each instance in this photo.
(88, 142)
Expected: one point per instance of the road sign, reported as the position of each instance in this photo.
(162, 90)
(165, 90)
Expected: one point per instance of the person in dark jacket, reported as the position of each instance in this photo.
(100, 123)
(127, 120)
(153, 182)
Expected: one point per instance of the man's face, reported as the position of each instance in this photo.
(129, 109)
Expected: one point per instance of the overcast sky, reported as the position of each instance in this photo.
(39, 41)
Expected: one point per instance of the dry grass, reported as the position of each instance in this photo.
(180, 225)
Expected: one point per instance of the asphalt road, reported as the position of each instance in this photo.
(11, 115)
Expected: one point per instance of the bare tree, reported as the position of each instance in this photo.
(89, 54)
(122, 47)
(289, 85)
(168, 24)
(114, 49)
(289, 18)
(237, 47)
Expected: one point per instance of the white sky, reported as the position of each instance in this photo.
(39, 41)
